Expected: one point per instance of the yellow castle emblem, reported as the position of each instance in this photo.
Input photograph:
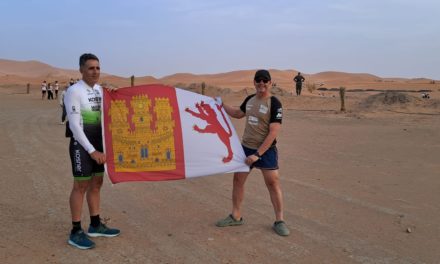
(150, 145)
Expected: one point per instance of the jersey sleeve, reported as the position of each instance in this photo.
(72, 101)
(243, 105)
(276, 110)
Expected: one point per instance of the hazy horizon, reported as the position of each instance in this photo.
(393, 38)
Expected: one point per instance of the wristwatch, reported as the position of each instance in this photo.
(257, 154)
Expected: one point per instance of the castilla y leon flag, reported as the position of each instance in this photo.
(157, 132)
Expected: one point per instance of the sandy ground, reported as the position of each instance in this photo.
(359, 187)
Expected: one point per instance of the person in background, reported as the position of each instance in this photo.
(49, 91)
(43, 89)
(63, 107)
(57, 87)
(298, 79)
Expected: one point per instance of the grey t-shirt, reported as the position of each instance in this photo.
(259, 114)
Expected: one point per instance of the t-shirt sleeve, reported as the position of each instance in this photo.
(243, 105)
(276, 110)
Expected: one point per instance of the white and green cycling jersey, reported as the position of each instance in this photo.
(83, 106)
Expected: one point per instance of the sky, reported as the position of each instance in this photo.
(387, 38)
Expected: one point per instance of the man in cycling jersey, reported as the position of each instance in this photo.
(83, 102)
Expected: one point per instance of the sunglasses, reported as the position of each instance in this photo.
(261, 79)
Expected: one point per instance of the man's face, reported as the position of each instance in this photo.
(262, 86)
(90, 72)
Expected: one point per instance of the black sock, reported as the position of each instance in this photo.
(76, 226)
(95, 221)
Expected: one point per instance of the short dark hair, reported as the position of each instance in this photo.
(85, 57)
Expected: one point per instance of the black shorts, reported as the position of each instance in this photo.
(83, 166)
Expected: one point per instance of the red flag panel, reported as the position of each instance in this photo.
(143, 134)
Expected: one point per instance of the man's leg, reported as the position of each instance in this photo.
(238, 193)
(77, 237)
(97, 228)
(271, 178)
(77, 198)
(94, 195)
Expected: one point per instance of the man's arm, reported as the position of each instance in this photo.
(234, 112)
(274, 129)
(73, 108)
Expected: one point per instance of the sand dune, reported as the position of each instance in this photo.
(33, 69)
(33, 72)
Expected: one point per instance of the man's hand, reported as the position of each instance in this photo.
(251, 159)
(218, 100)
(109, 87)
(99, 157)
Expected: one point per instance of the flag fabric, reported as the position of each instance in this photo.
(157, 132)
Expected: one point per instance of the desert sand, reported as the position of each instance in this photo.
(359, 186)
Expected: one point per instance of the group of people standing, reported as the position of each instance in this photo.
(49, 89)
(83, 103)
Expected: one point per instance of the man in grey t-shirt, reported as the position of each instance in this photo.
(263, 114)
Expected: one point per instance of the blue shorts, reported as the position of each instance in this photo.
(268, 161)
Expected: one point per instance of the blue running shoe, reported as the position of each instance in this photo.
(102, 231)
(80, 240)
